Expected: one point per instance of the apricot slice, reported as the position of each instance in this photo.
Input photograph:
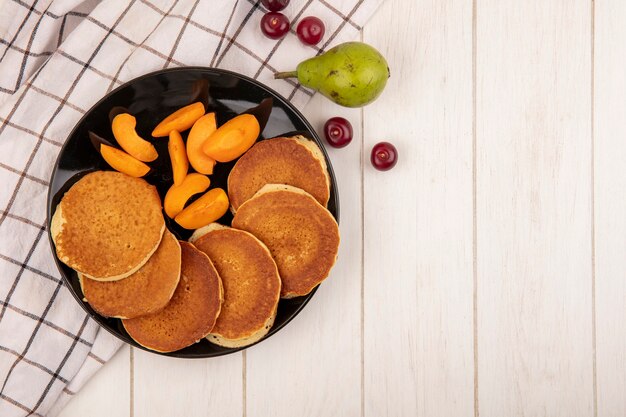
(123, 162)
(207, 209)
(178, 195)
(178, 156)
(233, 138)
(123, 127)
(199, 133)
(180, 120)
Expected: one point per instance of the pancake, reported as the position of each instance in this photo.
(190, 314)
(302, 236)
(295, 161)
(251, 284)
(107, 225)
(145, 292)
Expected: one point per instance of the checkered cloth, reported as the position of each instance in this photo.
(57, 59)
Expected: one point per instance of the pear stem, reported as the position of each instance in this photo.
(283, 75)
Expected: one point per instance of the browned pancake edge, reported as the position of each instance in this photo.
(251, 284)
(192, 311)
(107, 225)
(293, 161)
(302, 236)
(145, 292)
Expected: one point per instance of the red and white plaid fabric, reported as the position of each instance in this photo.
(57, 58)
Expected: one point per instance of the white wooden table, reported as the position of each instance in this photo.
(485, 274)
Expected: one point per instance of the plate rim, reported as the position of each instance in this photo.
(218, 71)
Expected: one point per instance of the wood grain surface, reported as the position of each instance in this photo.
(610, 206)
(533, 195)
(485, 275)
(418, 216)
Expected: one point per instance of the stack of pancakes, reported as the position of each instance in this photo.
(226, 282)
(109, 227)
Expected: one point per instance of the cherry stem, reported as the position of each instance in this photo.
(283, 75)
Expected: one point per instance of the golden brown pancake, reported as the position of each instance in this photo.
(251, 284)
(107, 225)
(294, 161)
(302, 236)
(190, 314)
(145, 292)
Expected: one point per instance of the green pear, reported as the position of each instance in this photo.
(351, 74)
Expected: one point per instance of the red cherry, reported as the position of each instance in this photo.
(338, 132)
(274, 25)
(310, 30)
(384, 156)
(275, 5)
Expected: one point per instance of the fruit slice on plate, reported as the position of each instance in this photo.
(123, 162)
(191, 313)
(207, 209)
(178, 195)
(178, 157)
(123, 127)
(180, 120)
(233, 138)
(200, 132)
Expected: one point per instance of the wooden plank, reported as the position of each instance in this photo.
(534, 203)
(107, 393)
(418, 216)
(312, 367)
(610, 206)
(187, 387)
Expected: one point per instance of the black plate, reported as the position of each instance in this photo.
(150, 98)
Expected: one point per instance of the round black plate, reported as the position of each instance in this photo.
(150, 98)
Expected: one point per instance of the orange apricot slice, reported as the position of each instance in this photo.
(233, 138)
(178, 156)
(123, 162)
(123, 127)
(207, 209)
(180, 120)
(200, 132)
(178, 195)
